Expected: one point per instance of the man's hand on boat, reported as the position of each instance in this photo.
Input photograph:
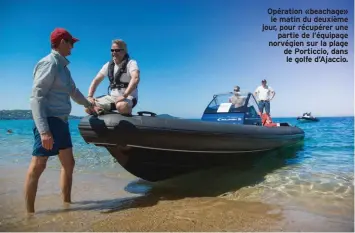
(94, 109)
(91, 100)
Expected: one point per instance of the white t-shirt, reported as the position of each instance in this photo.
(263, 93)
(131, 66)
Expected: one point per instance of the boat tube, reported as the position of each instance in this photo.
(155, 148)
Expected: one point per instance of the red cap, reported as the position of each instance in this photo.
(60, 33)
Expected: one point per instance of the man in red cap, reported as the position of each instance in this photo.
(53, 87)
(60, 35)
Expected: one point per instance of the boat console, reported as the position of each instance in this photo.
(230, 108)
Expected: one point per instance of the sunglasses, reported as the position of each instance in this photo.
(116, 50)
(236, 90)
(69, 41)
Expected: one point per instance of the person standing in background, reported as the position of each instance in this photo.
(264, 94)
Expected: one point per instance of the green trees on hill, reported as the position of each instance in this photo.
(20, 115)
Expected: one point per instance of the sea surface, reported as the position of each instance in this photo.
(317, 177)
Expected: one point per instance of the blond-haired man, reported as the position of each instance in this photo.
(123, 74)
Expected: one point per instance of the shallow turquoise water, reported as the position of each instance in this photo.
(319, 176)
(16, 148)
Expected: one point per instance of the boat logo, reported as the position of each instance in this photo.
(229, 119)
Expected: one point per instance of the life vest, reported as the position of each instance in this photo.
(267, 121)
(121, 79)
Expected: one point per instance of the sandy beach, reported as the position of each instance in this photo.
(109, 201)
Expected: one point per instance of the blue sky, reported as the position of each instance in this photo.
(186, 51)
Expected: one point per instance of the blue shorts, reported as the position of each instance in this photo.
(61, 137)
(264, 104)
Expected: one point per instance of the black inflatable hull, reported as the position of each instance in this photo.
(154, 148)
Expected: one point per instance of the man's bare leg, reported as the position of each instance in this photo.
(66, 176)
(35, 169)
(123, 107)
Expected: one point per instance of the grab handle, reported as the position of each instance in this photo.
(146, 112)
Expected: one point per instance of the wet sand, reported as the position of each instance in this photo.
(106, 202)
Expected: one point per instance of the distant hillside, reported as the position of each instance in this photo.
(166, 116)
(21, 115)
(27, 114)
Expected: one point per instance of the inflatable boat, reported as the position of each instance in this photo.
(156, 148)
(307, 117)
